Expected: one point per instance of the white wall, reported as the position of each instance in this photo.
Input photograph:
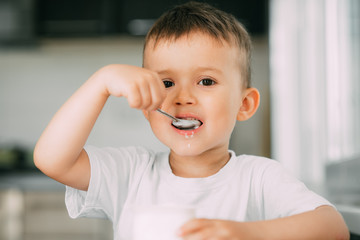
(35, 82)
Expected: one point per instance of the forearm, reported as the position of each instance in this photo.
(64, 137)
(323, 223)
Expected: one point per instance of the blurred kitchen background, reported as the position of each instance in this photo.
(306, 63)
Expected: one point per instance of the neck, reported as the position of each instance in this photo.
(199, 166)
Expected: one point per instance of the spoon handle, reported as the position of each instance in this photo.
(166, 114)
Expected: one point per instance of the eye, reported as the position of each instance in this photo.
(207, 82)
(168, 83)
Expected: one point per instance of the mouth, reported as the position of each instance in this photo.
(191, 123)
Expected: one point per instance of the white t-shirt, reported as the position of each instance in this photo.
(247, 188)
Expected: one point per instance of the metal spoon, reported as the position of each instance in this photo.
(184, 124)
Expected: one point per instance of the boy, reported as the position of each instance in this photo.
(196, 65)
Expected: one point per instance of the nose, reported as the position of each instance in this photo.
(184, 96)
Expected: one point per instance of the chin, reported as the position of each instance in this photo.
(188, 150)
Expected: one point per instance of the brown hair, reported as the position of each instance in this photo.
(196, 16)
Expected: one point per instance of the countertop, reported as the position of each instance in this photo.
(29, 181)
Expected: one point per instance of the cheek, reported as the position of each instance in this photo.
(154, 119)
(223, 111)
(223, 104)
(158, 123)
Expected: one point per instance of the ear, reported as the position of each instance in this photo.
(249, 104)
(146, 114)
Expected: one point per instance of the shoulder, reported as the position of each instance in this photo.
(258, 163)
(260, 170)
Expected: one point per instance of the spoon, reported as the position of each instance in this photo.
(183, 124)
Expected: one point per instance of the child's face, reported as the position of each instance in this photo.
(203, 82)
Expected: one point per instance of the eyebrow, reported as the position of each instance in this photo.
(198, 69)
(202, 69)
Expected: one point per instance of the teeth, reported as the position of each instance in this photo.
(189, 118)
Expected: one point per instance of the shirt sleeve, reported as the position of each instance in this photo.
(284, 195)
(111, 173)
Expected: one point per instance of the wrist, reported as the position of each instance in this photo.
(253, 230)
(99, 80)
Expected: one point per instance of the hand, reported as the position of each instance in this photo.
(207, 229)
(142, 87)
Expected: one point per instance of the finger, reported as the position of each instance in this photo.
(205, 233)
(146, 95)
(158, 94)
(193, 226)
(133, 96)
